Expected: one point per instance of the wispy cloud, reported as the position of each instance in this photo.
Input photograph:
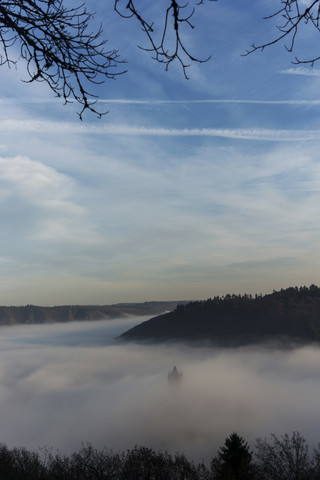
(310, 72)
(238, 133)
(37, 202)
(275, 135)
(123, 101)
(133, 223)
(203, 101)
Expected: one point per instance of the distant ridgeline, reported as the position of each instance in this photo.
(291, 315)
(35, 314)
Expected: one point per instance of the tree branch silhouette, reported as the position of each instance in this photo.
(294, 14)
(165, 38)
(59, 48)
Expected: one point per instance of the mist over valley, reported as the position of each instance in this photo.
(62, 385)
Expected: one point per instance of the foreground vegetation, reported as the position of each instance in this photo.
(291, 314)
(279, 458)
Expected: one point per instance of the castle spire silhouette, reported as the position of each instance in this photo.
(174, 375)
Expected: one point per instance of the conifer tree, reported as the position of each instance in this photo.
(233, 461)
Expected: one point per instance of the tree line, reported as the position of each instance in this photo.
(287, 457)
(285, 295)
(36, 314)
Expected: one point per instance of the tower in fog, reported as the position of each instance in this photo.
(175, 376)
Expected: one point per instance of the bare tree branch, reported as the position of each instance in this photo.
(164, 49)
(58, 48)
(293, 14)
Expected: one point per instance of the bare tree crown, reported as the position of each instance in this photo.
(293, 16)
(168, 45)
(60, 48)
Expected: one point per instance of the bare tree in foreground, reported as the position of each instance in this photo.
(294, 17)
(169, 45)
(284, 458)
(60, 48)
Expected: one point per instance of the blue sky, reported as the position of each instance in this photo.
(186, 189)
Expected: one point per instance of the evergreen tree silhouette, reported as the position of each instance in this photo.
(233, 461)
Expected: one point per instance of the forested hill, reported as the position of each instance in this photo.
(292, 314)
(29, 314)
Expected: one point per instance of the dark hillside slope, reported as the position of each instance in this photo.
(292, 314)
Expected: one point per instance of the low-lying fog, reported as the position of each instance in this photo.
(66, 384)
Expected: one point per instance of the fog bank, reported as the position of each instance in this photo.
(62, 385)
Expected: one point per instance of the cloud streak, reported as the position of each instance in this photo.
(204, 101)
(209, 101)
(258, 134)
(310, 72)
(46, 195)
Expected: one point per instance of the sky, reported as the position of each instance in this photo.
(64, 385)
(186, 189)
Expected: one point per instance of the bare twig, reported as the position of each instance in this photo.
(293, 14)
(58, 47)
(163, 49)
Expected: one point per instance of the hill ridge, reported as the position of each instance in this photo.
(34, 314)
(291, 314)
